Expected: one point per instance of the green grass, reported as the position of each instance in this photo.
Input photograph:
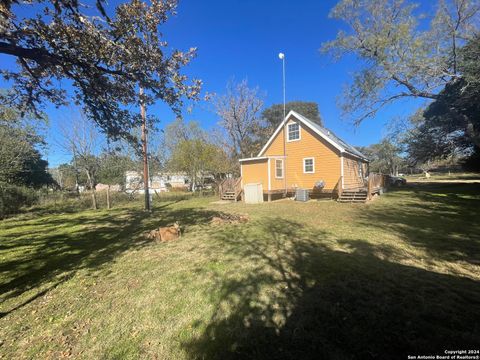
(456, 176)
(397, 276)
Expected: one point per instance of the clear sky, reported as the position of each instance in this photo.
(241, 39)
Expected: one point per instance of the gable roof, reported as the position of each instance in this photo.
(324, 133)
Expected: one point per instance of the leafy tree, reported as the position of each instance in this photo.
(402, 57)
(450, 125)
(112, 168)
(194, 157)
(105, 53)
(20, 160)
(239, 113)
(195, 152)
(178, 131)
(67, 177)
(273, 116)
(385, 157)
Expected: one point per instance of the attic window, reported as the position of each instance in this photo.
(293, 132)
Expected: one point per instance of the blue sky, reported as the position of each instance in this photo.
(241, 39)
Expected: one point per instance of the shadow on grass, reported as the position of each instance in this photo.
(41, 253)
(440, 218)
(304, 299)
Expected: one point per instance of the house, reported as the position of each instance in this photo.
(158, 182)
(104, 187)
(134, 183)
(315, 159)
(176, 180)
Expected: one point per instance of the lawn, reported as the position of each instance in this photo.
(323, 280)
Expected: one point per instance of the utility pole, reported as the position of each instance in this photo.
(281, 56)
(144, 150)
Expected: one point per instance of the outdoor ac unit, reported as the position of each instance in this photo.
(301, 195)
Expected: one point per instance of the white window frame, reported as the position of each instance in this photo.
(283, 169)
(299, 131)
(313, 165)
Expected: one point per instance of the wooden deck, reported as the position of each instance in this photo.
(230, 189)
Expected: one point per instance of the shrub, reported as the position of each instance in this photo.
(13, 198)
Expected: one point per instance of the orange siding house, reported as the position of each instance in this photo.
(310, 155)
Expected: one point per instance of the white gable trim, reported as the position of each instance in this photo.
(300, 118)
(253, 158)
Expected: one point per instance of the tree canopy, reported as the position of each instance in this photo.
(450, 125)
(273, 115)
(20, 160)
(385, 157)
(402, 54)
(112, 168)
(104, 53)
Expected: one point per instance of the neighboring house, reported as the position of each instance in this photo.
(313, 156)
(104, 187)
(176, 180)
(134, 183)
(158, 183)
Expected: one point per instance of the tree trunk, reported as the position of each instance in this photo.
(108, 197)
(94, 199)
(144, 152)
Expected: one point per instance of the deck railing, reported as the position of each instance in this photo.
(338, 187)
(375, 183)
(230, 185)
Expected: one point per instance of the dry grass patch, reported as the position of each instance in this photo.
(298, 280)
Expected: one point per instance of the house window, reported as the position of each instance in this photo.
(309, 165)
(279, 168)
(293, 132)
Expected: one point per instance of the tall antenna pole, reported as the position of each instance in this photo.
(281, 56)
(144, 150)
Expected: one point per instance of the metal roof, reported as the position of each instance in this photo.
(348, 148)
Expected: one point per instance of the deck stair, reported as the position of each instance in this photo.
(230, 189)
(353, 196)
(228, 195)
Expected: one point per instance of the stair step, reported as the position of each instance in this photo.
(229, 196)
(353, 196)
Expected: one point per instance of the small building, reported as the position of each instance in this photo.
(134, 183)
(104, 187)
(159, 182)
(176, 180)
(311, 157)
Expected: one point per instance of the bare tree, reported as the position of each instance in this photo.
(82, 141)
(239, 111)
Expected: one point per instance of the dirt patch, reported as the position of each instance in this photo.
(223, 219)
